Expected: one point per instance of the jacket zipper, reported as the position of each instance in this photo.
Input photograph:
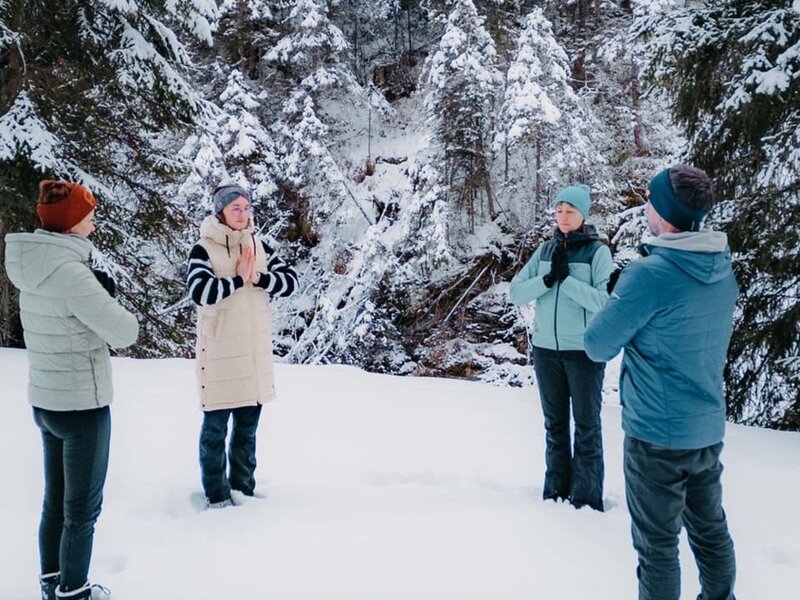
(555, 315)
(555, 312)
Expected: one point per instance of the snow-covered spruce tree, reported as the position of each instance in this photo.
(422, 246)
(353, 306)
(462, 82)
(88, 92)
(635, 136)
(368, 27)
(312, 65)
(732, 68)
(234, 146)
(247, 31)
(343, 263)
(312, 55)
(312, 49)
(542, 116)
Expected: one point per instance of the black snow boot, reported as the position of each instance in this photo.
(49, 583)
(87, 591)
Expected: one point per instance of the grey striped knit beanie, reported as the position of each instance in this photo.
(227, 193)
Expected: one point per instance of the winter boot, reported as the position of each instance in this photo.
(49, 583)
(87, 591)
(221, 504)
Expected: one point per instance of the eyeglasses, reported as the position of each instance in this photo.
(240, 210)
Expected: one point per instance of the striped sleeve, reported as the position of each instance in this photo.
(204, 288)
(280, 280)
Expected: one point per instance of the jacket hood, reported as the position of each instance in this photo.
(704, 255)
(212, 228)
(33, 257)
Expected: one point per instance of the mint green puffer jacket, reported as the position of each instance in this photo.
(564, 310)
(68, 318)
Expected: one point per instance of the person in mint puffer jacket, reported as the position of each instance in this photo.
(567, 278)
(69, 320)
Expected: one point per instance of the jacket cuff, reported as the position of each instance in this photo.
(263, 280)
(238, 282)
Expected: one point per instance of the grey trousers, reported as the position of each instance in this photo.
(668, 489)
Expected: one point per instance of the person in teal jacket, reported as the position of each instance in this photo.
(69, 318)
(567, 278)
(672, 312)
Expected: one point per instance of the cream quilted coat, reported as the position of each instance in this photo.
(234, 336)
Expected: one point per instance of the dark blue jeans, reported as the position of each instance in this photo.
(667, 489)
(217, 482)
(569, 378)
(75, 464)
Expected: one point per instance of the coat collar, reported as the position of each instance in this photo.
(213, 229)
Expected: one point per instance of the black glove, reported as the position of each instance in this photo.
(106, 281)
(560, 264)
(612, 279)
(559, 267)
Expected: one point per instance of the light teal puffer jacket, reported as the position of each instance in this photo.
(68, 318)
(564, 310)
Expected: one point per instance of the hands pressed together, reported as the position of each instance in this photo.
(246, 265)
(559, 267)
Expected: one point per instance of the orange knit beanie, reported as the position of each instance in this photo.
(60, 211)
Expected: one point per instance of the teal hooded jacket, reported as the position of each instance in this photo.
(563, 311)
(68, 318)
(672, 312)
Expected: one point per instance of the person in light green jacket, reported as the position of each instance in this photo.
(70, 318)
(567, 278)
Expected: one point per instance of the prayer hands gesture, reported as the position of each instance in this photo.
(246, 265)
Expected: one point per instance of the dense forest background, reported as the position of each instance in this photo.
(404, 155)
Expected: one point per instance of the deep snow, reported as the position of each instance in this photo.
(377, 488)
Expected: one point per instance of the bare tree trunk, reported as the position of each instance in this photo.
(579, 68)
(538, 175)
(11, 77)
(10, 325)
(582, 14)
(355, 44)
(640, 149)
(396, 29)
(408, 21)
(505, 154)
(483, 181)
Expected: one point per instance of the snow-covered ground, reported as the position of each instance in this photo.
(377, 488)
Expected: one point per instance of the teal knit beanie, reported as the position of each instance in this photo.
(578, 196)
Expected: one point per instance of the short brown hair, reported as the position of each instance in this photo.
(692, 186)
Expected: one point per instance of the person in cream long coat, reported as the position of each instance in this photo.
(231, 277)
